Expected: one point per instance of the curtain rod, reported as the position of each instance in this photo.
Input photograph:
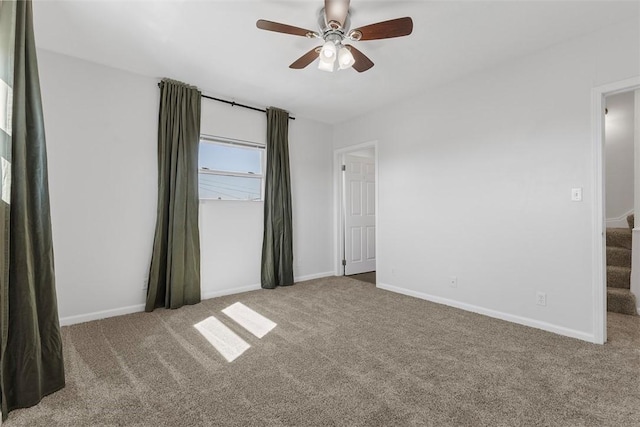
(233, 104)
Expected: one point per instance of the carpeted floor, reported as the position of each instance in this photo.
(342, 353)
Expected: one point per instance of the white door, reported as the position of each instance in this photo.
(360, 215)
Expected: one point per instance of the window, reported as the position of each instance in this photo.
(230, 169)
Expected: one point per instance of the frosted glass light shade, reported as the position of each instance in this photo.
(345, 58)
(328, 52)
(325, 65)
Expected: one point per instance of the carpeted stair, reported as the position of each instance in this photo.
(619, 297)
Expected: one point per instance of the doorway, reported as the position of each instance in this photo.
(619, 142)
(356, 219)
(601, 254)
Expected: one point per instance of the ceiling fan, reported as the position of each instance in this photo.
(335, 29)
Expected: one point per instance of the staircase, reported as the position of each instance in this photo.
(619, 297)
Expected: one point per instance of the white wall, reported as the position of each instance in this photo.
(311, 158)
(101, 126)
(475, 181)
(619, 158)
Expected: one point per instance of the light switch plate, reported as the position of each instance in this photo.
(576, 194)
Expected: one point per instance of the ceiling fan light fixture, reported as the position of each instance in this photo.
(328, 52)
(326, 65)
(334, 28)
(345, 58)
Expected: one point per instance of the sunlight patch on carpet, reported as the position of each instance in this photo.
(253, 322)
(222, 338)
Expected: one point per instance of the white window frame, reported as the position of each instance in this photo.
(220, 140)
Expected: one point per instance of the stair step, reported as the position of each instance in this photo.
(621, 301)
(619, 237)
(619, 257)
(630, 221)
(618, 277)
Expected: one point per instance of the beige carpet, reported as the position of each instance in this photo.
(342, 353)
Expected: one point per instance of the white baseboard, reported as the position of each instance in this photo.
(230, 291)
(493, 313)
(313, 276)
(233, 291)
(619, 222)
(81, 318)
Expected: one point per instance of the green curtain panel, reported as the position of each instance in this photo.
(31, 353)
(277, 242)
(174, 277)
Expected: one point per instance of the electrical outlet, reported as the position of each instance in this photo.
(144, 284)
(541, 299)
(453, 282)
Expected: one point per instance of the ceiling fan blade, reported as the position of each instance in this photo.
(306, 59)
(362, 63)
(384, 30)
(336, 10)
(284, 28)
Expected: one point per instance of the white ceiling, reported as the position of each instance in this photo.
(216, 46)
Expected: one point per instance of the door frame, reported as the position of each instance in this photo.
(338, 192)
(599, 269)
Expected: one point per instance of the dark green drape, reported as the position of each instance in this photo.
(31, 353)
(277, 242)
(174, 277)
